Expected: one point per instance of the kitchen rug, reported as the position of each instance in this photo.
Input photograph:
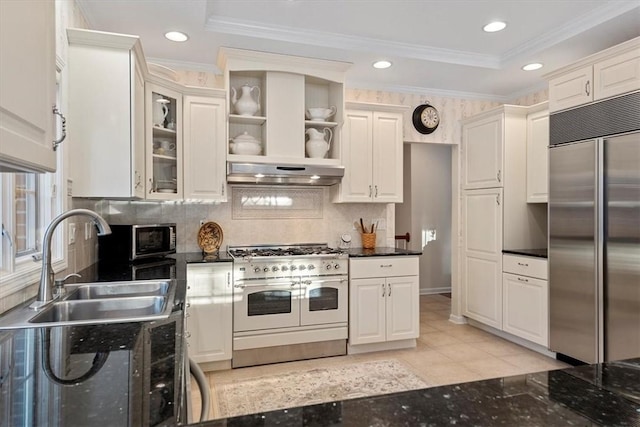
(291, 389)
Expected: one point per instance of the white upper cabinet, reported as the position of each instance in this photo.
(482, 152)
(269, 96)
(164, 147)
(371, 154)
(27, 86)
(538, 154)
(106, 114)
(608, 73)
(204, 148)
(493, 148)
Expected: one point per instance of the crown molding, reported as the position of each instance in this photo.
(186, 65)
(418, 90)
(572, 28)
(344, 41)
(527, 91)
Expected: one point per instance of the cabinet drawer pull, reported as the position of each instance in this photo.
(499, 176)
(376, 191)
(383, 290)
(523, 264)
(389, 293)
(370, 191)
(523, 280)
(498, 200)
(386, 265)
(587, 87)
(64, 128)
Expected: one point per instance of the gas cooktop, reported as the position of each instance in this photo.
(298, 250)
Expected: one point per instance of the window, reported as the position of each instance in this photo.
(29, 203)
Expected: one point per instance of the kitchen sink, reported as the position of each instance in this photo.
(117, 290)
(101, 311)
(99, 303)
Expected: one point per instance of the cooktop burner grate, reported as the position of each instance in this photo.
(285, 250)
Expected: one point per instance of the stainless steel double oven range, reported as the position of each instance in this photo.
(290, 302)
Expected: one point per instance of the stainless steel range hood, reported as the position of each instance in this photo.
(262, 173)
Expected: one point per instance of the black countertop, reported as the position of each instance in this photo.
(31, 393)
(538, 253)
(380, 251)
(594, 395)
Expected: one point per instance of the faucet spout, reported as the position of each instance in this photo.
(45, 292)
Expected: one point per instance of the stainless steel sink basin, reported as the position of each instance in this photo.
(99, 302)
(117, 290)
(102, 310)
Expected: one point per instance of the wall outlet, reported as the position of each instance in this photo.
(72, 233)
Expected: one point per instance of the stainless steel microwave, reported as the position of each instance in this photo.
(137, 241)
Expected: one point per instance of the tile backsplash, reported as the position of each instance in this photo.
(333, 220)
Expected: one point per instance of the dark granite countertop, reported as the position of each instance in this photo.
(380, 251)
(594, 395)
(538, 253)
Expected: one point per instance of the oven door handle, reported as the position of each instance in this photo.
(309, 282)
(242, 285)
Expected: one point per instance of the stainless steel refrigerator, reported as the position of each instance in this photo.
(594, 231)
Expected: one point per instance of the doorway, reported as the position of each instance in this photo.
(426, 212)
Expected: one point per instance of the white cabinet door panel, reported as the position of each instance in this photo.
(571, 89)
(204, 148)
(525, 308)
(27, 86)
(209, 309)
(357, 152)
(367, 311)
(387, 157)
(538, 157)
(483, 291)
(483, 153)
(617, 75)
(403, 306)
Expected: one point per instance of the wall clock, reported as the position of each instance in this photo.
(426, 118)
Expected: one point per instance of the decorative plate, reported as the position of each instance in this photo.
(210, 237)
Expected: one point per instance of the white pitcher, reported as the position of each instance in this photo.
(246, 105)
(160, 109)
(317, 146)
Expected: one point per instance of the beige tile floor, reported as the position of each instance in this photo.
(446, 353)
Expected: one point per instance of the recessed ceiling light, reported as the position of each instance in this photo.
(532, 66)
(494, 26)
(176, 36)
(382, 64)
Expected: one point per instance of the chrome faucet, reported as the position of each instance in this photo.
(45, 293)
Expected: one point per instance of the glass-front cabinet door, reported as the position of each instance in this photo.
(164, 143)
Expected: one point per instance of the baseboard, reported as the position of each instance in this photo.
(458, 320)
(215, 366)
(389, 345)
(432, 291)
(507, 336)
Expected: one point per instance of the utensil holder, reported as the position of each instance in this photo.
(369, 240)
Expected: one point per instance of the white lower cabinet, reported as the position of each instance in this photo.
(482, 257)
(209, 312)
(383, 300)
(525, 303)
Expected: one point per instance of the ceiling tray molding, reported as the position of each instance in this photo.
(344, 41)
(572, 28)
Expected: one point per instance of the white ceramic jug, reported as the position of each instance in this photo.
(160, 109)
(246, 105)
(317, 146)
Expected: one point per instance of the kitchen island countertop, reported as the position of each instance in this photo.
(596, 395)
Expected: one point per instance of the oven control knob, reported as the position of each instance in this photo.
(328, 266)
(266, 269)
(336, 266)
(256, 270)
(275, 268)
(293, 267)
(285, 268)
(311, 267)
(302, 267)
